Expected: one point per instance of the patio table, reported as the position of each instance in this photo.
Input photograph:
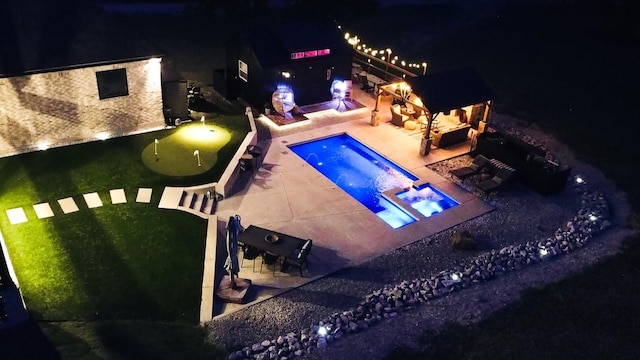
(255, 236)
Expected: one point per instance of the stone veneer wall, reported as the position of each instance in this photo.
(63, 107)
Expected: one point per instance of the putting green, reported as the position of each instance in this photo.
(191, 149)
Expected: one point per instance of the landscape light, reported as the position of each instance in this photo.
(102, 136)
(592, 217)
(43, 146)
(455, 277)
(543, 252)
(579, 179)
(322, 331)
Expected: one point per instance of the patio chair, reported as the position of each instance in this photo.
(269, 259)
(255, 151)
(250, 253)
(365, 84)
(299, 258)
(503, 175)
(397, 118)
(478, 163)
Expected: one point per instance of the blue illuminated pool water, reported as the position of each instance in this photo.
(426, 199)
(361, 172)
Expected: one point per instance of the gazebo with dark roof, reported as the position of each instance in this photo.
(448, 90)
(442, 92)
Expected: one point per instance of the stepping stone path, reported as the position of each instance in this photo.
(68, 204)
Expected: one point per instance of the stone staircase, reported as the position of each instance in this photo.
(200, 201)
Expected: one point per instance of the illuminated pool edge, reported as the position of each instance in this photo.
(389, 211)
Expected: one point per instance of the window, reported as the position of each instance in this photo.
(243, 70)
(112, 83)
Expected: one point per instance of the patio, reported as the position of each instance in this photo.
(289, 196)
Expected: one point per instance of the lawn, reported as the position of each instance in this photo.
(112, 266)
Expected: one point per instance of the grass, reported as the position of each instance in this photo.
(120, 269)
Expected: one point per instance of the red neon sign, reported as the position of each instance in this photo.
(310, 53)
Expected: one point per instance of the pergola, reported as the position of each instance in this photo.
(442, 92)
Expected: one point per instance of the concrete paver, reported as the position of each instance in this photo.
(16, 216)
(92, 200)
(68, 205)
(117, 196)
(43, 210)
(144, 195)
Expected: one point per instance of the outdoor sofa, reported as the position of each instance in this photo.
(451, 136)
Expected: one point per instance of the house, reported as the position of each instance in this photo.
(300, 58)
(66, 81)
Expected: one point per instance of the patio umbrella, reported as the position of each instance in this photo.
(233, 230)
(233, 289)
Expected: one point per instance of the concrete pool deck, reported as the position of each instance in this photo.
(288, 195)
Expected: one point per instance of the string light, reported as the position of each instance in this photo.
(385, 54)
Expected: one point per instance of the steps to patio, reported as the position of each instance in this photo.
(200, 201)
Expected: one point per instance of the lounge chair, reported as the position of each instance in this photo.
(503, 175)
(397, 118)
(299, 257)
(478, 163)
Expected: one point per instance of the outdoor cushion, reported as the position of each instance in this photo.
(410, 125)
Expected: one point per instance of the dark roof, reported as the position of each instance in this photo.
(448, 90)
(273, 43)
(40, 36)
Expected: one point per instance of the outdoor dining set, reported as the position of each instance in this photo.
(274, 249)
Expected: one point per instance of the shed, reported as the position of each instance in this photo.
(303, 57)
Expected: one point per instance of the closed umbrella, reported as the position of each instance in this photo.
(233, 230)
(233, 289)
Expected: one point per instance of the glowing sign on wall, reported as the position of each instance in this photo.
(309, 53)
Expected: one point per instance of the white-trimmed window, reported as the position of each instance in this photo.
(243, 70)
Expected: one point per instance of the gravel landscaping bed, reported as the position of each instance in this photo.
(521, 220)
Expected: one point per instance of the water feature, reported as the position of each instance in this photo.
(426, 199)
(361, 172)
(312, 155)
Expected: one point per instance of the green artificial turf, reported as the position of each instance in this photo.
(117, 261)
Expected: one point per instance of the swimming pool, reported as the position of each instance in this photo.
(361, 172)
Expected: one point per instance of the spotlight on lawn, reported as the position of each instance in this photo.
(202, 120)
(579, 180)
